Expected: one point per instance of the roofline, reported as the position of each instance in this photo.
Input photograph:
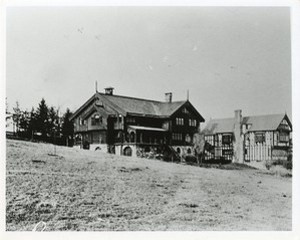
(113, 106)
(262, 115)
(289, 121)
(143, 99)
(119, 110)
(195, 110)
(82, 107)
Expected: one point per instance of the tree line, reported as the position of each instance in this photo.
(43, 123)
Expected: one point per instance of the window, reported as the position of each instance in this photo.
(259, 137)
(184, 110)
(192, 122)
(284, 125)
(179, 121)
(96, 120)
(130, 120)
(209, 139)
(283, 137)
(226, 139)
(177, 136)
(81, 121)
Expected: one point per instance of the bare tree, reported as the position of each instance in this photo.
(199, 146)
(16, 116)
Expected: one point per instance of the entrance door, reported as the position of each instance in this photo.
(127, 151)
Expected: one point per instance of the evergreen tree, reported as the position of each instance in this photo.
(53, 121)
(67, 127)
(32, 123)
(42, 118)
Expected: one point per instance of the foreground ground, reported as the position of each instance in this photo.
(84, 190)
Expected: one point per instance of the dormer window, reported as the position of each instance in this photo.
(96, 120)
(184, 110)
(81, 122)
(99, 103)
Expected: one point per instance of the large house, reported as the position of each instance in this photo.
(136, 127)
(252, 138)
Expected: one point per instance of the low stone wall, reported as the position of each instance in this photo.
(184, 150)
(99, 147)
(121, 150)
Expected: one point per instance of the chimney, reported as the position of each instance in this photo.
(238, 145)
(238, 116)
(109, 90)
(168, 97)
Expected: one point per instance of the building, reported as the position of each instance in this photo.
(252, 138)
(136, 127)
(10, 125)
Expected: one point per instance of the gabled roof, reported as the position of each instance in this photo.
(136, 106)
(142, 106)
(257, 123)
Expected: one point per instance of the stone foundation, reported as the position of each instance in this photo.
(184, 150)
(99, 147)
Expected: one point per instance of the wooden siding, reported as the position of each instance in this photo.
(259, 146)
(222, 148)
(180, 124)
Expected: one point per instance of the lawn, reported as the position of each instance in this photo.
(82, 190)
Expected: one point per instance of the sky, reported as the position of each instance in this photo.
(228, 58)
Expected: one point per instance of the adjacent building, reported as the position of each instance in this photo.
(251, 138)
(136, 127)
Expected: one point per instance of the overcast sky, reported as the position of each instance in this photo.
(228, 58)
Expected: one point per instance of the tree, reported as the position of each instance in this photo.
(67, 127)
(17, 115)
(42, 121)
(7, 114)
(6, 106)
(53, 121)
(199, 146)
(24, 122)
(32, 123)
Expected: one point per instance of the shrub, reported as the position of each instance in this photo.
(281, 171)
(268, 164)
(191, 159)
(288, 165)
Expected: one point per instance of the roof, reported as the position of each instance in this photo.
(142, 106)
(137, 106)
(147, 128)
(258, 123)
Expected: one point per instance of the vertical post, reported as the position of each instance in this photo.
(54, 142)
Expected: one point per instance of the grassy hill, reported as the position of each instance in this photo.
(85, 190)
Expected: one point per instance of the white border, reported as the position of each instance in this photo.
(295, 29)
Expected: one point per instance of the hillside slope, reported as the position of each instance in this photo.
(85, 190)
